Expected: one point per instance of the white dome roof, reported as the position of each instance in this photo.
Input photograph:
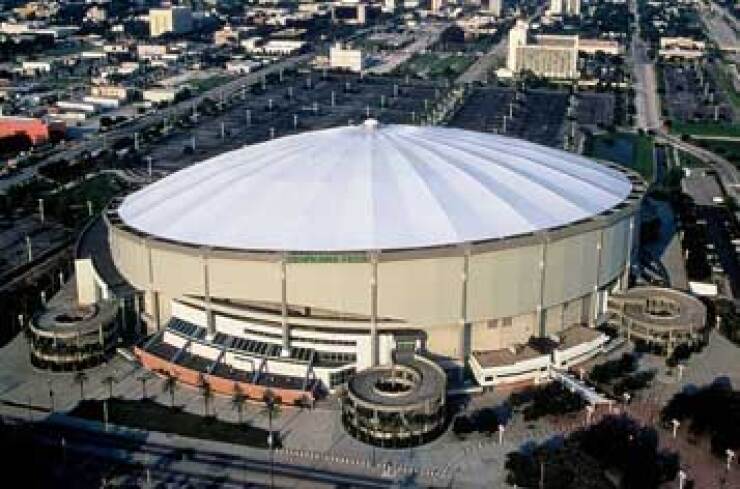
(373, 187)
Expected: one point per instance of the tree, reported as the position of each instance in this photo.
(712, 410)
(143, 378)
(272, 409)
(109, 380)
(238, 398)
(462, 426)
(80, 378)
(206, 392)
(170, 386)
(615, 444)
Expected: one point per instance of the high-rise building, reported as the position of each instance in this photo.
(436, 6)
(567, 8)
(177, 20)
(549, 56)
(493, 7)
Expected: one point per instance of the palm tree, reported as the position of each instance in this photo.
(170, 386)
(206, 392)
(80, 378)
(109, 380)
(272, 408)
(237, 401)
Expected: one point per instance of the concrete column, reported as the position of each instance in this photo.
(210, 323)
(153, 298)
(374, 354)
(284, 307)
(464, 324)
(595, 293)
(122, 306)
(628, 262)
(138, 308)
(541, 326)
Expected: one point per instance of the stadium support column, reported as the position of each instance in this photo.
(374, 354)
(464, 324)
(625, 282)
(541, 325)
(597, 279)
(285, 352)
(152, 299)
(210, 323)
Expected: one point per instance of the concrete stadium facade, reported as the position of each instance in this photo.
(351, 310)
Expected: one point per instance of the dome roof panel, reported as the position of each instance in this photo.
(374, 187)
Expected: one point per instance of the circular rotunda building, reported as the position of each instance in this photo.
(291, 264)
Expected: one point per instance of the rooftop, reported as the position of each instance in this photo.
(374, 187)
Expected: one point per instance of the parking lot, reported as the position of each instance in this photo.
(299, 102)
(691, 94)
(13, 244)
(536, 115)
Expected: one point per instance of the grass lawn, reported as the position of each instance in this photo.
(706, 128)
(435, 65)
(727, 149)
(148, 415)
(98, 190)
(690, 161)
(201, 85)
(724, 80)
(634, 151)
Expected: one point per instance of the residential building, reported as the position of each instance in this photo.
(549, 56)
(346, 58)
(175, 20)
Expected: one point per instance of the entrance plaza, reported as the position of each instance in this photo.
(316, 437)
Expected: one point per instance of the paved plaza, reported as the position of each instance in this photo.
(315, 438)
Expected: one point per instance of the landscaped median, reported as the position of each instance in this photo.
(631, 150)
(151, 416)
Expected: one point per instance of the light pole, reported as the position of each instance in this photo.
(29, 248)
(149, 166)
(51, 396)
(676, 423)
(589, 413)
(626, 397)
(41, 211)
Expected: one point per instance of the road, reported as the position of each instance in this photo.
(96, 142)
(167, 459)
(721, 26)
(481, 69)
(646, 97)
(424, 41)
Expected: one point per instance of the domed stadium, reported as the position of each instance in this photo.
(292, 264)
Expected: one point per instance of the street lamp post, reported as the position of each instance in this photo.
(589, 413)
(51, 396)
(676, 423)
